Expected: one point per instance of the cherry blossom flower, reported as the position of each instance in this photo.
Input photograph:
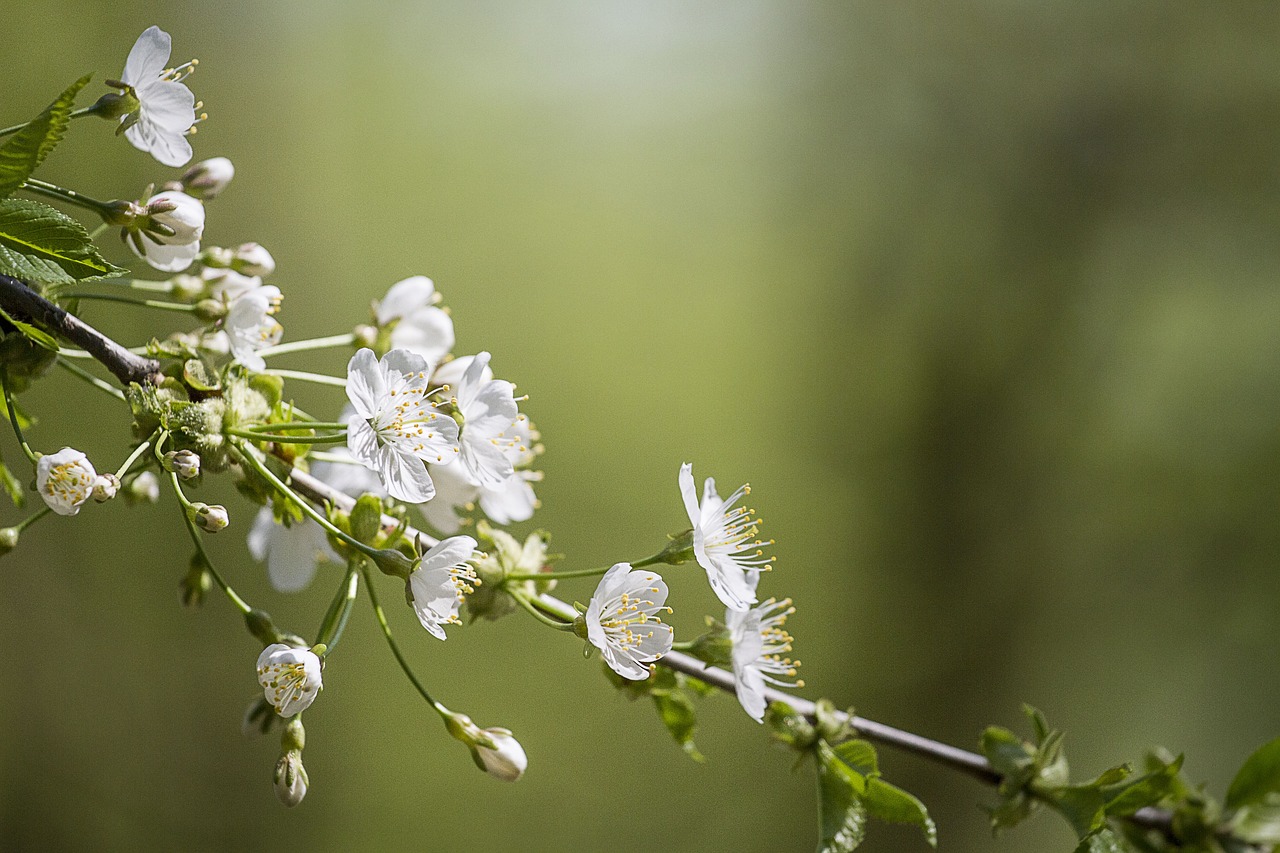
(416, 324)
(292, 552)
(167, 231)
(488, 409)
(623, 623)
(290, 678)
(514, 499)
(251, 325)
(396, 429)
(437, 585)
(208, 178)
(506, 760)
(759, 643)
(166, 107)
(65, 480)
(724, 541)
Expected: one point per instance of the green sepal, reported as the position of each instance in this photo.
(860, 755)
(26, 149)
(842, 816)
(45, 247)
(366, 519)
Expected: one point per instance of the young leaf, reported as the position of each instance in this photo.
(1146, 790)
(1083, 806)
(42, 246)
(36, 335)
(27, 148)
(680, 719)
(1008, 755)
(860, 755)
(1259, 776)
(1258, 822)
(891, 803)
(1103, 841)
(842, 816)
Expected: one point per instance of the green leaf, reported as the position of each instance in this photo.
(891, 803)
(859, 755)
(680, 719)
(1258, 777)
(11, 485)
(1103, 841)
(1146, 790)
(1008, 755)
(1083, 806)
(42, 246)
(842, 816)
(1258, 822)
(27, 148)
(37, 335)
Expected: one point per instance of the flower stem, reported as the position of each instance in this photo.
(286, 439)
(80, 113)
(133, 457)
(32, 519)
(525, 603)
(79, 371)
(181, 307)
(395, 648)
(553, 576)
(304, 376)
(276, 427)
(48, 190)
(335, 620)
(239, 603)
(13, 419)
(313, 343)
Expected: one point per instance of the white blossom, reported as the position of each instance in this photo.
(724, 541)
(396, 428)
(252, 259)
(506, 760)
(251, 325)
(513, 499)
(759, 644)
(166, 107)
(229, 284)
(623, 623)
(150, 238)
(437, 585)
(65, 480)
(488, 409)
(291, 552)
(416, 324)
(350, 477)
(290, 678)
(208, 178)
(453, 492)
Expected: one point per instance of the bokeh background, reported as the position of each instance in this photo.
(981, 298)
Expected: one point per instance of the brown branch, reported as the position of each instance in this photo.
(23, 303)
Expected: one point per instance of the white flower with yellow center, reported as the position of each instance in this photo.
(623, 620)
(251, 325)
(290, 678)
(514, 499)
(396, 429)
(65, 480)
(166, 108)
(416, 324)
(437, 585)
(724, 541)
(488, 409)
(759, 644)
(167, 231)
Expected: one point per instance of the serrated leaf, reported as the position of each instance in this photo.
(889, 802)
(1257, 777)
(1103, 841)
(842, 819)
(859, 755)
(680, 719)
(32, 333)
(43, 246)
(1146, 790)
(27, 148)
(1083, 806)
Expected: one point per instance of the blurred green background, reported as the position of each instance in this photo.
(981, 298)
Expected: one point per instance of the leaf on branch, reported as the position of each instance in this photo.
(680, 718)
(32, 333)
(1258, 777)
(26, 149)
(890, 803)
(43, 246)
(842, 820)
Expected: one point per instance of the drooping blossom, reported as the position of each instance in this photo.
(290, 678)
(724, 541)
(291, 553)
(760, 643)
(167, 230)
(65, 480)
(437, 585)
(251, 325)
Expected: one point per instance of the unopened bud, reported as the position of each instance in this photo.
(187, 288)
(208, 178)
(144, 488)
(211, 310)
(8, 539)
(291, 779)
(365, 335)
(195, 584)
(253, 259)
(505, 760)
(209, 518)
(184, 463)
(105, 487)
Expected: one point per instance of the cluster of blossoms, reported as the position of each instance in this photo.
(422, 426)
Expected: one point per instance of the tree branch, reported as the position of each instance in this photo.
(22, 302)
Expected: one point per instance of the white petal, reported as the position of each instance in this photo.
(427, 331)
(408, 363)
(170, 258)
(485, 462)
(366, 385)
(170, 106)
(451, 552)
(260, 533)
(404, 298)
(689, 493)
(492, 410)
(362, 441)
(405, 476)
(148, 57)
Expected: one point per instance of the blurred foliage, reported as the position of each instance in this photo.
(981, 298)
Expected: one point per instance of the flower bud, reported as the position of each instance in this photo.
(144, 488)
(211, 310)
(105, 487)
(195, 584)
(8, 539)
(365, 335)
(208, 178)
(184, 463)
(253, 259)
(187, 288)
(291, 779)
(506, 760)
(209, 518)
